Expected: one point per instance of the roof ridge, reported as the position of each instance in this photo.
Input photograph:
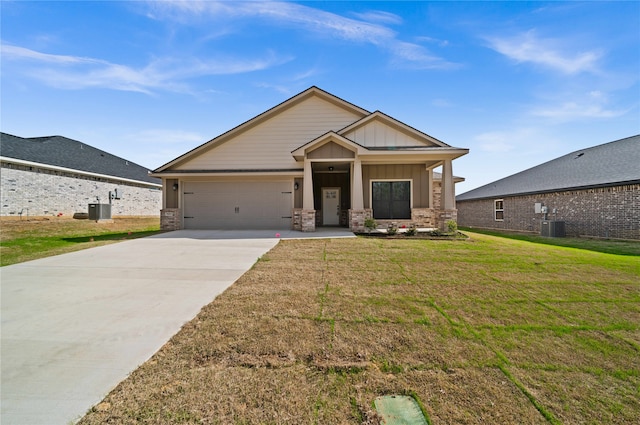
(257, 118)
(604, 164)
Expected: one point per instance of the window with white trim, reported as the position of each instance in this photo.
(498, 210)
(391, 199)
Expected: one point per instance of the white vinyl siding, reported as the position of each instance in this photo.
(378, 134)
(269, 144)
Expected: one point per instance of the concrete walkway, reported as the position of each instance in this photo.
(75, 325)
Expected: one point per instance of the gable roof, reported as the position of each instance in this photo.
(67, 153)
(311, 91)
(394, 123)
(609, 164)
(321, 140)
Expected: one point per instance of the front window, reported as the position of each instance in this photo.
(499, 210)
(391, 199)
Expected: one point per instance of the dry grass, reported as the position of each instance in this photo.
(487, 330)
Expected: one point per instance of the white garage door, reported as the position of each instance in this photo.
(237, 205)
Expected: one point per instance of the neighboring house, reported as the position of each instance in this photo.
(58, 176)
(595, 191)
(313, 160)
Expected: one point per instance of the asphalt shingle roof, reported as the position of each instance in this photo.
(63, 152)
(609, 164)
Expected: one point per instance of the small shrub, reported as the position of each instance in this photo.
(392, 229)
(370, 224)
(452, 226)
(412, 230)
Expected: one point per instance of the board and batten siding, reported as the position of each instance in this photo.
(414, 172)
(269, 144)
(378, 134)
(331, 150)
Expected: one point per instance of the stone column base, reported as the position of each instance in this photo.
(357, 218)
(307, 220)
(171, 219)
(445, 215)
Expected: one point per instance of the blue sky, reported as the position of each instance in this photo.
(518, 83)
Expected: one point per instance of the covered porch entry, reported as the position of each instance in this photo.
(345, 183)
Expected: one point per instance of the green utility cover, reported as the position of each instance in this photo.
(399, 410)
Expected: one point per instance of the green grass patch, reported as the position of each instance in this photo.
(30, 240)
(609, 246)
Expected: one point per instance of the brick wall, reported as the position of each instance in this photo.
(171, 219)
(609, 212)
(39, 191)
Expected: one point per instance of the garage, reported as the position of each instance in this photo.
(237, 205)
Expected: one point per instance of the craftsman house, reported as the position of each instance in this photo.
(57, 176)
(593, 192)
(313, 160)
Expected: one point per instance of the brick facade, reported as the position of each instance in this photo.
(171, 219)
(607, 212)
(303, 220)
(37, 191)
(357, 219)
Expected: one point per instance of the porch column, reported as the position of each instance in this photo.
(307, 190)
(448, 191)
(357, 197)
(430, 187)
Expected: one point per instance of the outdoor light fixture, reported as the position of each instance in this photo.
(175, 186)
(296, 186)
(330, 168)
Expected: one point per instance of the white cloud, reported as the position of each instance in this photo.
(589, 105)
(548, 52)
(167, 74)
(568, 111)
(442, 103)
(506, 141)
(437, 41)
(379, 16)
(16, 52)
(306, 18)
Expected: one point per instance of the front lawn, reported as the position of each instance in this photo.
(30, 239)
(487, 330)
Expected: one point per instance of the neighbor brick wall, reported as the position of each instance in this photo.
(612, 212)
(49, 192)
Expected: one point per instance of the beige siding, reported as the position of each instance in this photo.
(269, 144)
(237, 205)
(171, 196)
(331, 150)
(378, 134)
(414, 172)
(297, 194)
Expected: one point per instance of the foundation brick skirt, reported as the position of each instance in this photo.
(303, 220)
(357, 218)
(446, 215)
(170, 219)
(423, 217)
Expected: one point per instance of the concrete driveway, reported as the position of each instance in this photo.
(75, 325)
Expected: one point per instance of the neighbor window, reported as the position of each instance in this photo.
(391, 199)
(499, 210)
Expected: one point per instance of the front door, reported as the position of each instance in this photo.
(330, 206)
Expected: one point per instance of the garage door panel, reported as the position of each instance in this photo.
(237, 205)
